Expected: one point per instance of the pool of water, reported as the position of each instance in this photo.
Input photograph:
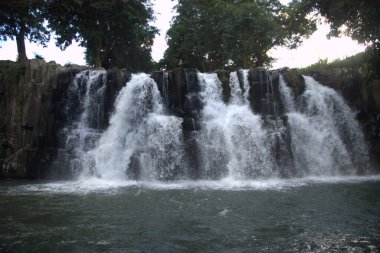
(297, 215)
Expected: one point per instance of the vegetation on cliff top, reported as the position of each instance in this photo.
(14, 70)
(354, 61)
(207, 35)
(364, 60)
(115, 33)
(358, 19)
(211, 35)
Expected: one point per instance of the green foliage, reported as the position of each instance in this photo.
(355, 61)
(115, 33)
(20, 19)
(38, 57)
(373, 60)
(358, 19)
(217, 34)
(13, 70)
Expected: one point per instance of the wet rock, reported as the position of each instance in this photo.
(34, 95)
(294, 80)
(33, 110)
(375, 92)
(224, 77)
(264, 94)
(193, 102)
(191, 124)
(349, 82)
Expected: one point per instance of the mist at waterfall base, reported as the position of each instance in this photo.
(220, 177)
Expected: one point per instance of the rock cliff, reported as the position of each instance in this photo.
(33, 97)
(32, 100)
(363, 94)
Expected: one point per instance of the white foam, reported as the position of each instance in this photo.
(232, 140)
(94, 185)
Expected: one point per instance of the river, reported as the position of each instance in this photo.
(331, 214)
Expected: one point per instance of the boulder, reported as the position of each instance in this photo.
(294, 80)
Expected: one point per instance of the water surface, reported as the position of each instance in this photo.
(299, 215)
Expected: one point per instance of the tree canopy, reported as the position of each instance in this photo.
(219, 33)
(359, 19)
(20, 19)
(205, 34)
(115, 33)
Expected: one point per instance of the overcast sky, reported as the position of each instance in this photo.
(315, 48)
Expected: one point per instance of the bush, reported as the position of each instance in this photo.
(13, 70)
(354, 61)
(38, 57)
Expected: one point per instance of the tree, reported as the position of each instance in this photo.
(20, 19)
(358, 19)
(238, 33)
(111, 31)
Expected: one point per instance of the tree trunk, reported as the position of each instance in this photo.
(20, 40)
(98, 45)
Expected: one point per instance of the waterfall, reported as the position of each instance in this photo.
(84, 112)
(165, 91)
(240, 87)
(286, 95)
(232, 138)
(236, 92)
(326, 139)
(263, 132)
(246, 86)
(141, 141)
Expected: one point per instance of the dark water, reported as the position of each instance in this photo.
(270, 216)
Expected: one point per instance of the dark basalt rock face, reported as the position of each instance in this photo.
(265, 95)
(33, 96)
(31, 114)
(224, 77)
(294, 80)
(363, 94)
(179, 90)
(115, 81)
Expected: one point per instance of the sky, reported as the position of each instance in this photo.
(312, 50)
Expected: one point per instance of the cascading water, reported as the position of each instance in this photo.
(246, 87)
(326, 139)
(141, 142)
(313, 135)
(244, 154)
(232, 138)
(84, 110)
(286, 95)
(236, 92)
